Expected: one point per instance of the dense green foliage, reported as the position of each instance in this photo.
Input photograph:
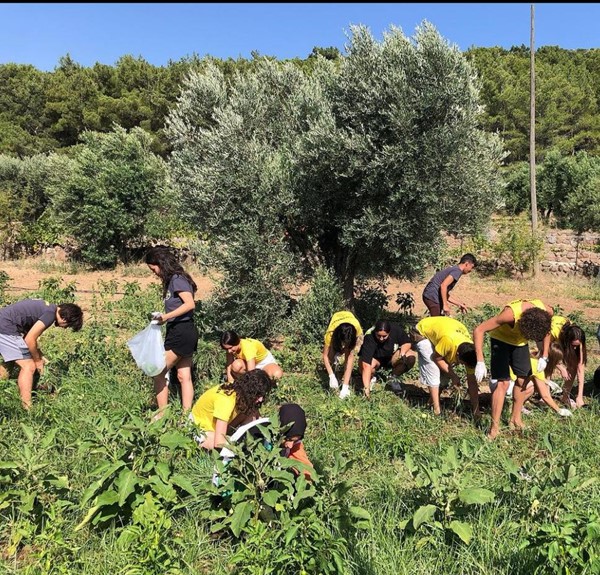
(90, 485)
(280, 170)
(48, 112)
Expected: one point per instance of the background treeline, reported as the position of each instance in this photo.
(47, 111)
(84, 151)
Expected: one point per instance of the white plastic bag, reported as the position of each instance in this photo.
(148, 350)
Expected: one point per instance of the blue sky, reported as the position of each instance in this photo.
(40, 34)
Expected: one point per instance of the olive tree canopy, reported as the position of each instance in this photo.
(358, 164)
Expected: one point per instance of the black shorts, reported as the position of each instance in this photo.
(504, 356)
(182, 338)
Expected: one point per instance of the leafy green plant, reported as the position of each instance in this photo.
(370, 301)
(50, 289)
(315, 308)
(150, 542)
(33, 490)
(286, 522)
(137, 458)
(445, 493)
(406, 302)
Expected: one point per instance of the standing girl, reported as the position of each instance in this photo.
(182, 336)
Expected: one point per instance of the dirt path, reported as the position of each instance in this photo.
(572, 294)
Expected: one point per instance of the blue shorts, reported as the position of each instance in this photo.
(13, 347)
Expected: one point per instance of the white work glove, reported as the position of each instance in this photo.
(563, 412)
(480, 371)
(333, 382)
(542, 363)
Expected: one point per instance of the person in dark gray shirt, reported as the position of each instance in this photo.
(21, 325)
(436, 295)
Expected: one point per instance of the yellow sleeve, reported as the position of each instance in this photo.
(224, 406)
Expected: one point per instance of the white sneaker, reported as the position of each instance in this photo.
(345, 391)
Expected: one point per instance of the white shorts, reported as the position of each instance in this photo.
(13, 347)
(269, 360)
(429, 372)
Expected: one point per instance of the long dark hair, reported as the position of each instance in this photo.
(571, 332)
(248, 388)
(168, 263)
(229, 337)
(343, 337)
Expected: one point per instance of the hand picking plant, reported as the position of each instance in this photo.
(445, 494)
(284, 522)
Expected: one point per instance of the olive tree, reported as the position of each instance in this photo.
(359, 164)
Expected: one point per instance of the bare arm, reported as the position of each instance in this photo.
(505, 316)
(348, 368)
(444, 294)
(31, 339)
(326, 361)
(445, 367)
(188, 305)
(219, 438)
(230, 359)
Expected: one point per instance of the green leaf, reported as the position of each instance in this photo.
(28, 431)
(476, 496)
(173, 440)
(291, 533)
(359, 513)
(240, 517)
(585, 484)
(463, 530)
(184, 483)
(126, 483)
(271, 497)
(424, 514)
(49, 438)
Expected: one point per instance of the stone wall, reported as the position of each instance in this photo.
(566, 252)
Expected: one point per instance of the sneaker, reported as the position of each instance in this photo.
(345, 391)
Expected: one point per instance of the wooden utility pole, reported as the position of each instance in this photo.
(536, 263)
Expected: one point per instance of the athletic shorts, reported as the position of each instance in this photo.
(429, 372)
(269, 360)
(434, 307)
(504, 356)
(181, 338)
(13, 347)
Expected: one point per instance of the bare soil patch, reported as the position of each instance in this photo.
(571, 293)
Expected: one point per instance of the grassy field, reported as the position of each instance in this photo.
(89, 486)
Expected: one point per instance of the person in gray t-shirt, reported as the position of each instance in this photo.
(21, 325)
(436, 295)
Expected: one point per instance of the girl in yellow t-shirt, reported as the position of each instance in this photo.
(229, 405)
(246, 354)
(344, 335)
(570, 339)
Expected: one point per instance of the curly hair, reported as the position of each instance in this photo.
(343, 337)
(168, 263)
(535, 323)
(248, 388)
(569, 333)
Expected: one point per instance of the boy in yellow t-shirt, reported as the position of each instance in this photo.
(441, 343)
(519, 322)
(247, 354)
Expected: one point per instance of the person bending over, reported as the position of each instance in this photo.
(510, 331)
(344, 335)
(21, 325)
(436, 295)
(442, 343)
(222, 408)
(387, 346)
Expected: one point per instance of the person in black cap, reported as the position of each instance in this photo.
(293, 446)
